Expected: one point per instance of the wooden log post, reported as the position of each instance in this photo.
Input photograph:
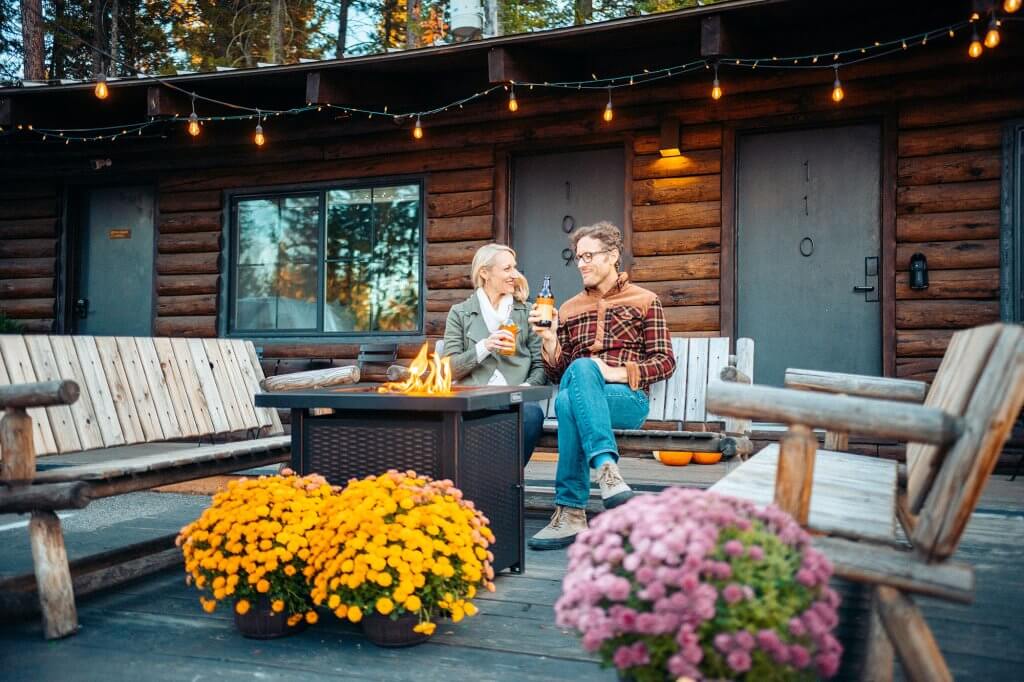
(878, 664)
(795, 473)
(911, 637)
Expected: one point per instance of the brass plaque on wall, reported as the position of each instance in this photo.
(122, 233)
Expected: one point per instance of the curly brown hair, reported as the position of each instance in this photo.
(604, 232)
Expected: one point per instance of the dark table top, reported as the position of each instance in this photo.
(366, 397)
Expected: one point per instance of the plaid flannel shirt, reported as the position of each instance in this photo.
(624, 327)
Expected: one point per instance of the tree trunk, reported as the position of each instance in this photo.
(339, 51)
(412, 24)
(112, 67)
(99, 38)
(32, 37)
(583, 10)
(276, 31)
(58, 53)
(492, 22)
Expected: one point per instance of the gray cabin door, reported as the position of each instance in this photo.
(115, 270)
(807, 250)
(553, 194)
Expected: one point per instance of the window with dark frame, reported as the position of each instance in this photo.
(1012, 233)
(341, 260)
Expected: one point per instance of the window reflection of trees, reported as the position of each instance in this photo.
(371, 267)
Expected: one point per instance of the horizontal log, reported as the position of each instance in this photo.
(17, 268)
(692, 318)
(448, 277)
(983, 253)
(691, 138)
(857, 385)
(28, 189)
(950, 139)
(924, 113)
(38, 394)
(196, 304)
(919, 369)
(181, 202)
(674, 190)
(22, 499)
(922, 342)
(187, 263)
(459, 229)
(184, 285)
(959, 167)
(479, 202)
(453, 253)
(685, 292)
(935, 227)
(944, 284)
(441, 182)
(441, 300)
(28, 308)
(196, 327)
(663, 268)
(192, 221)
(37, 326)
(667, 242)
(28, 248)
(674, 216)
(317, 378)
(434, 323)
(866, 416)
(35, 287)
(190, 242)
(706, 162)
(957, 196)
(28, 228)
(20, 208)
(945, 314)
(880, 565)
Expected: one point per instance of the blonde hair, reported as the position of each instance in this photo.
(484, 258)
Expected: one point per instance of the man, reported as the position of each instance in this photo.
(605, 346)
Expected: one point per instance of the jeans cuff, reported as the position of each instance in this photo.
(573, 505)
(590, 457)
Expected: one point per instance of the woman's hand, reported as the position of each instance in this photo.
(500, 341)
(612, 375)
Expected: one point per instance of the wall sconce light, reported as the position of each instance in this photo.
(918, 271)
(669, 143)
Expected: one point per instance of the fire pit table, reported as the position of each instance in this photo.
(472, 436)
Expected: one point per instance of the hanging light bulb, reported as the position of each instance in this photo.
(417, 132)
(992, 36)
(259, 138)
(193, 119)
(101, 89)
(716, 88)
(513, 104)
(608, 113)
(1011, 6)
(837, 89)
(975, 49)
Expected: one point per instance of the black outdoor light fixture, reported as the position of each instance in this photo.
(669, 139)
(918, 271)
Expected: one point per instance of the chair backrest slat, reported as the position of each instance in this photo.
(202, 412)
(119, 389)
(62, 423)
(243, 396)
(94, 380)
(718, 357)
(176, 389)
(254, 363)
(204, 371)
(675, 389)
(138, 385)
(658, 399)
(696, 380)
(158, 389)
(744, 364)
(227, 393)
(82, 412)
(20, 371)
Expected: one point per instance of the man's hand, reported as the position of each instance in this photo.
(612, 375)
(548, 335)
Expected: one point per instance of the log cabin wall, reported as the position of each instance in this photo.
(28, 253)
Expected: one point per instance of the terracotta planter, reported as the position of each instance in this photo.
(383, 631)
(260, 622)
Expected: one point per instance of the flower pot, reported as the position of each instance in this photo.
(383, 631)
(260, 622)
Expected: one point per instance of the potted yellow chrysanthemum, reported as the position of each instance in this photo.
(250, 548)
(396, 551)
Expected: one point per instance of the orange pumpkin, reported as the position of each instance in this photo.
(707, 457)
(673, 458)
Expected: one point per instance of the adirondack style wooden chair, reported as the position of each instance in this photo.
(127, 390)
(681, 402)
(852, 501)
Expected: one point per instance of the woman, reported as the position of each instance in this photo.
(475, 343)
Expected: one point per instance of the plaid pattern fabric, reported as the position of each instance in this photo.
(634, 332)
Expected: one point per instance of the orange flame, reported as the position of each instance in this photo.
(438, 380)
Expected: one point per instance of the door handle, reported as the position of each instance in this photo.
(870, 280)
(82, 308)
(863, 290)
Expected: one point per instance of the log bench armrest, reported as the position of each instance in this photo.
(885, 388)
(868, 416)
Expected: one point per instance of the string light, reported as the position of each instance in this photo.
(992, 36)
(417, 131)
(259, 137)
(193, 120)
(513, 105)
(608, 113)
(1011, 6)
(837, 88)
(101, 90)
(975, 49)
(716, 88)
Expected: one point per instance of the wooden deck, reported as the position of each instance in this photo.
(155, 629)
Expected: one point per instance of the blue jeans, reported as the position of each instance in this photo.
(588, 409)
(533, 425)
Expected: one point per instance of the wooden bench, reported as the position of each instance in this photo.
(129, 390)
(853, 502)
(681, 401)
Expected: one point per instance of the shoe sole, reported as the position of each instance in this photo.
(619, 499)
(550, 543)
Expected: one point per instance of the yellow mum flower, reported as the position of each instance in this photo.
(425, 628)
(413, 603)
(355, 614)
(470, 609)
(277, 606)
(333, 602)
(385, 606)
(242, 607)
(263, 586)
(384, 580)
(311, 617)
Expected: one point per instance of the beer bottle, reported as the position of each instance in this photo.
(512, 328)
(545, 303)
